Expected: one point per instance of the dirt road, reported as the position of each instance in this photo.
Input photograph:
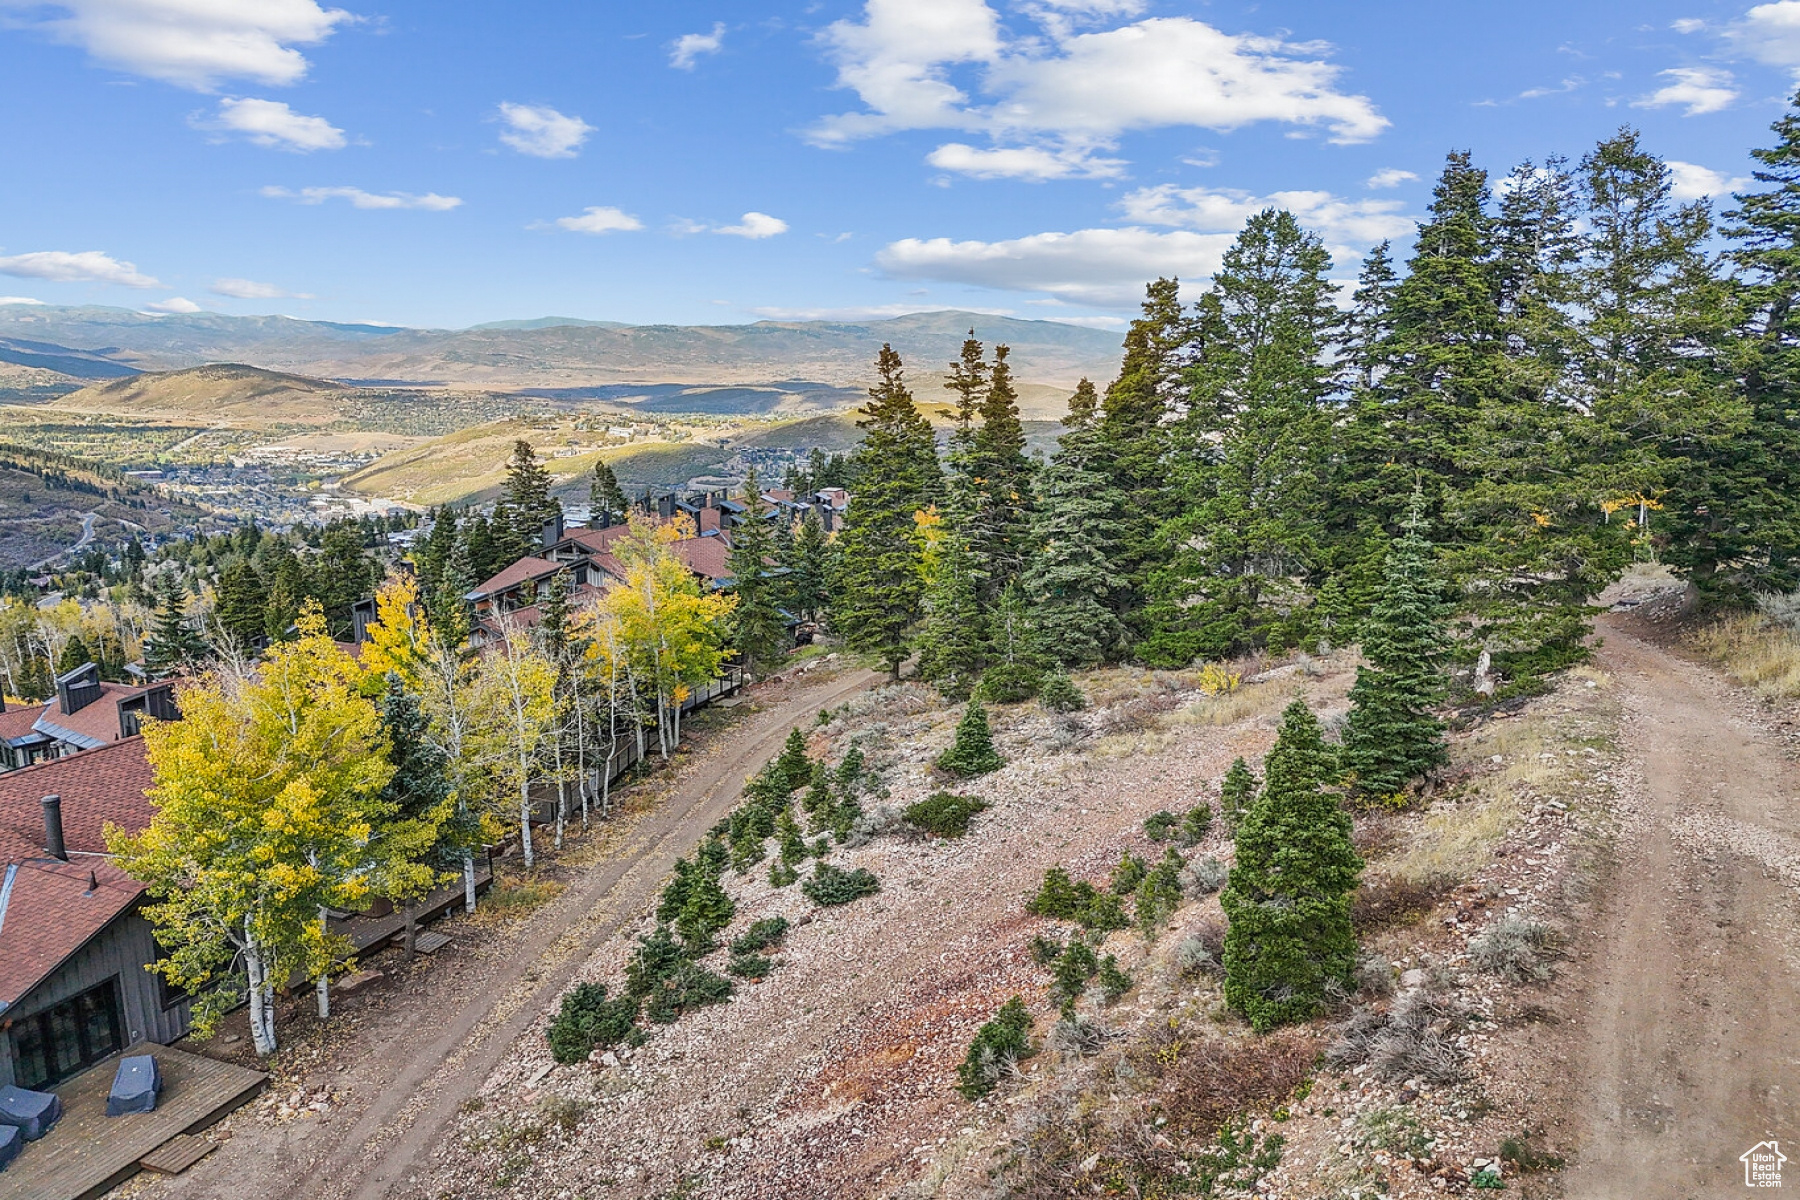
(1690, 1041)
(410, 1086)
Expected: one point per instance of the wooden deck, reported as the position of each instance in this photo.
(89, 1153)
(369, 934)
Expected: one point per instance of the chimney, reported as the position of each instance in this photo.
(93, 884)
(53, 828)
(553, 531)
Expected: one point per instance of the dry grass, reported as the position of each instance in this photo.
(1257, 700)
(1384, 901)
(1760, 653)
(1207, 1083)
(514, 896)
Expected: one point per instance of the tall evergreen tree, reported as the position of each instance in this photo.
(1288, 896)
(1250, 475)
(968, 378)
(759, 628)
(879, 589)
(606, 496)
(525, 504)
(809, 567)
(75, 655)
(951, 644)
(340, 576)
(999, 527)
(1072, 581)
(287, 592)
(434, 553)
(1393, 735)
(171, 644)
(1134, 439)
(242, 604)
(450, 615)
(1736, 531)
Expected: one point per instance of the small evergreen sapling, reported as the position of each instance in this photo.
(1059, 694)
(792, 767)
(750, 966)
(1196, 823)
(794, 849)
(998, 1046)
(588, 1021)
(972, 753)
(1288, 895)
(1160, 826)
(1159, 895)
(1128, 873)
(1114, 982)
(762, 935)
(1236, 794)
(1063, 899)
(1070, 974)
(944, 814)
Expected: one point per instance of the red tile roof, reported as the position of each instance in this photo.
(704, 556)
(98, 719)
(594, 539)
(16, 722)
(526, 568)
(96, 786)
(51, 913)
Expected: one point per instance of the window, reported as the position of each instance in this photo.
(52, 1045)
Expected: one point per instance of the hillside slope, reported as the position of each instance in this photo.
(220, 392)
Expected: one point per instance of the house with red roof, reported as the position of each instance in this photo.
(73, 941)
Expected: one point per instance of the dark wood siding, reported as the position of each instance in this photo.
(121, 949)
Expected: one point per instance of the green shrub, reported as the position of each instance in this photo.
(1010, 683)
(780, 874)
(696, 904)
(750, 966)
(589, 1021)
(1058, 693)
(1159, 894)
(944, 814)
(1046, 950)
(1160, 826)
(1129, 872)
(829, 885)
(1063, 899)
(1114, 982)
(689, 986)
(794, 849)
(658, 956)
(761, 935)
(817, 803)
(972, 753)
(1196, 823)
(1071, 972)
(998, 1045)
(1236, 794)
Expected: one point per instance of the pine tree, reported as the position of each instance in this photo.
(340, 576)
(433, 555)
(242, 604)
(419, 789)
(1369, 322)
(809, 568)
(968, 378)
(1253, 446)
(450, 615)
(972, 753)
(1133, 439)
(525, 505)
(1072, 582)
(287, 592)
(1392, 735)
(605, 496)
(171, 645)
(759, 629)
(998, 528)
(878, 591)
(75, 654)
(1288, 896)
(951, 643)
(1736, 530)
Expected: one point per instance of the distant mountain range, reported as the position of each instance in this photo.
(546, 353)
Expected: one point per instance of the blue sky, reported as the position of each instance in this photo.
(450, 163)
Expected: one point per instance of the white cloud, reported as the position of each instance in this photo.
(1688, 181)
(690, 46)
(174, 304)
(1091, 322)
(1700, 89)
(599, 219)
(870, 312)
(273, 124)
(754, 225)
(193, 43)
(1066, 93)
(85, 266)
(430, 201)
(18, 300)
(1391, 177)
(541, 131)
(250, 289)
(1354, 223)
(1024, 162)
(1687, 25)
(1102, 267)
(1770, 33)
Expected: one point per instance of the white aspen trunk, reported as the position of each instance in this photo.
(562, 801)
(262, 1022)
(525, 811)
(324, 984)
(468, 880)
